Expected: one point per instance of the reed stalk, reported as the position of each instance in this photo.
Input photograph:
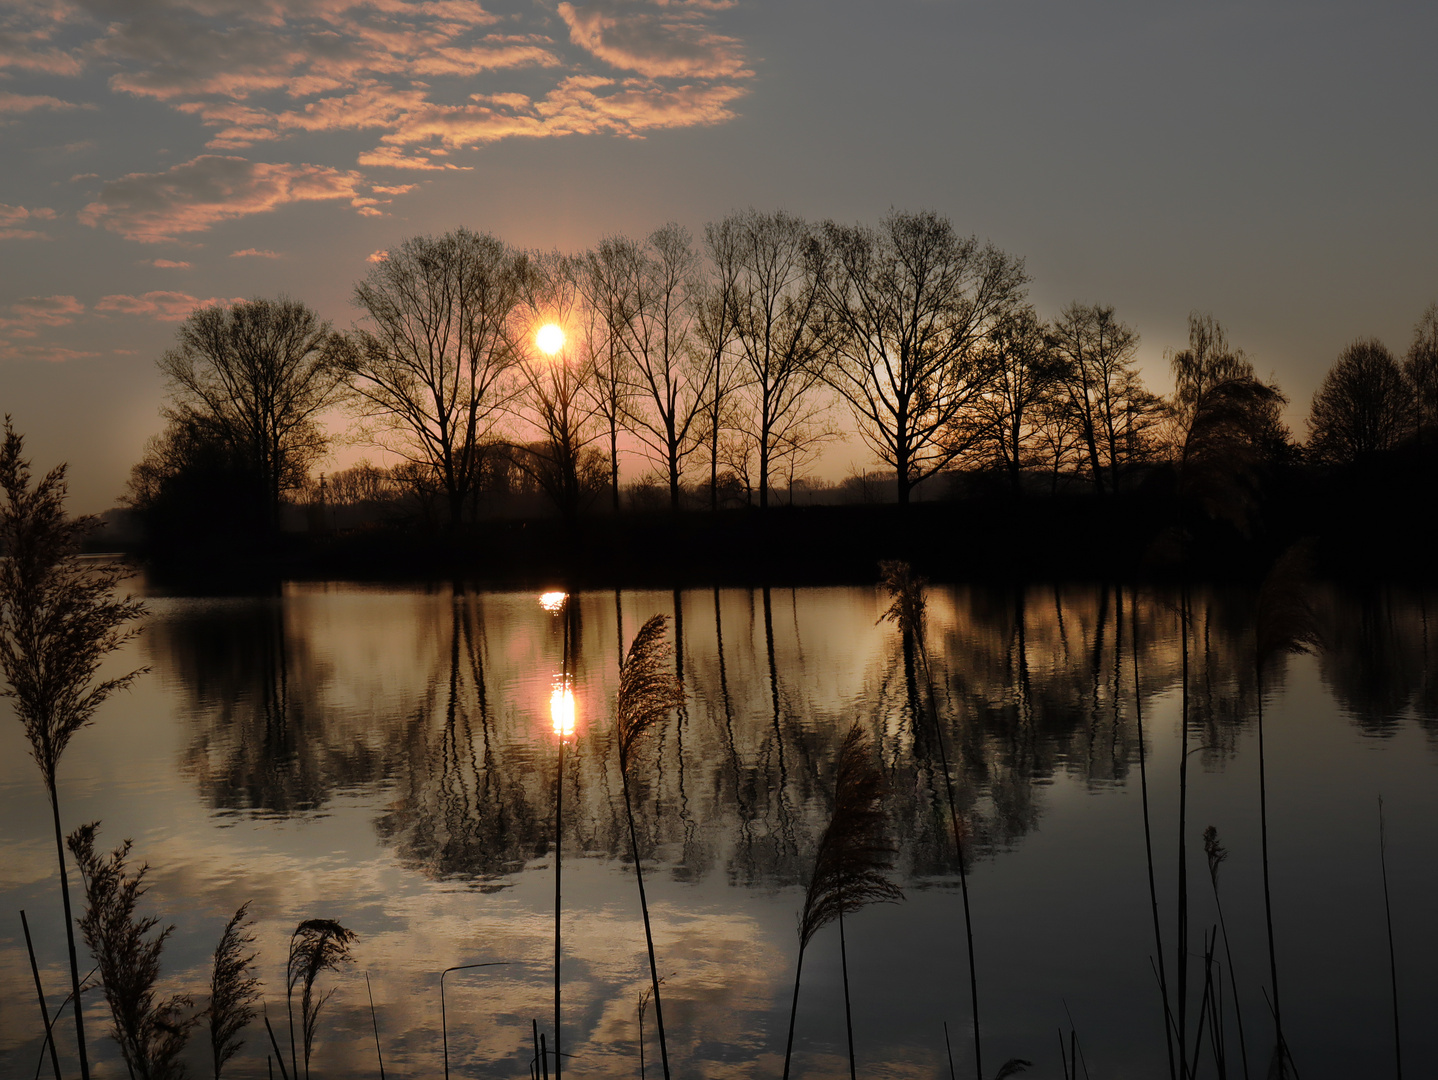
(647, 695)
(1392, 956)
(1216, 854)
(40, 996)
(1182, 932)
(1283, 624)
(1160, 970)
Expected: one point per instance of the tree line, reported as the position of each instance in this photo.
(724, 363)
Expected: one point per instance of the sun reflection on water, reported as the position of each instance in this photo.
(561, 709)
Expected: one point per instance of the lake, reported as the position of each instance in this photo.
(386, 757)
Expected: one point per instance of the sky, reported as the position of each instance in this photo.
(1271, 163)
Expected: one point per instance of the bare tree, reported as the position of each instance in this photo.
(1421, 368)
(555, 398)
(776, 300)
(1363, 406)
(1023, 375)
(59, 619)
(1113, 410)
(907, 307)
(602, 282)
(258, 374)
(430, 371)
(671, 371)
(714, 330)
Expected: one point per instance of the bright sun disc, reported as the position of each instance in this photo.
(550, 339)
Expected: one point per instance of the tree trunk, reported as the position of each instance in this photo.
(614, 461)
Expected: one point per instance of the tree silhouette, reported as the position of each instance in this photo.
(1106, 395)
(1363, 406)
(1011, 413)
(670, 369)
(906, 310)
(776, 311)
(429, 372)
(1227, 424)
(59, 618)
(554, 397)
(1421, 369)
(257, 375)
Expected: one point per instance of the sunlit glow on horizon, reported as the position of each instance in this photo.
(553, 602)
(561, 710)
(550, 339)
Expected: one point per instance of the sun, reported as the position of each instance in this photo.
(550, 339)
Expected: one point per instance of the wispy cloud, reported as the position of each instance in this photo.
(11, 104)
(195, 195)
(414, 73)
(255, 253)
(667, 40)
(27, 317)
(162, 305)
(168, 264)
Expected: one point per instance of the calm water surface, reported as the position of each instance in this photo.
(385, 758)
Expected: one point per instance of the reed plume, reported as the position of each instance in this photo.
(151, 1031)
(853, 855)
(1284, 623)
(316, 945)
(59, 618)
(233, 989)
(648, 692)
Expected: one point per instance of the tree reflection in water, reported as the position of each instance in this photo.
(283, 716)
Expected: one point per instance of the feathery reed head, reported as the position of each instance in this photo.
(1215, 851)
(648, 690)
(1285, 622)
(151, 1031)
(907, 592)
(316, 945)
(233, 988)
(854, 851)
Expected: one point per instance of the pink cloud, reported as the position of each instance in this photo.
(164, 306)
(666, 41)
(27, 317)
(389, 157)
(255, 253)
(580, 105)
(23, 103)
(169, 264)
(266, 70)
(14, 219)
(198, 194)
